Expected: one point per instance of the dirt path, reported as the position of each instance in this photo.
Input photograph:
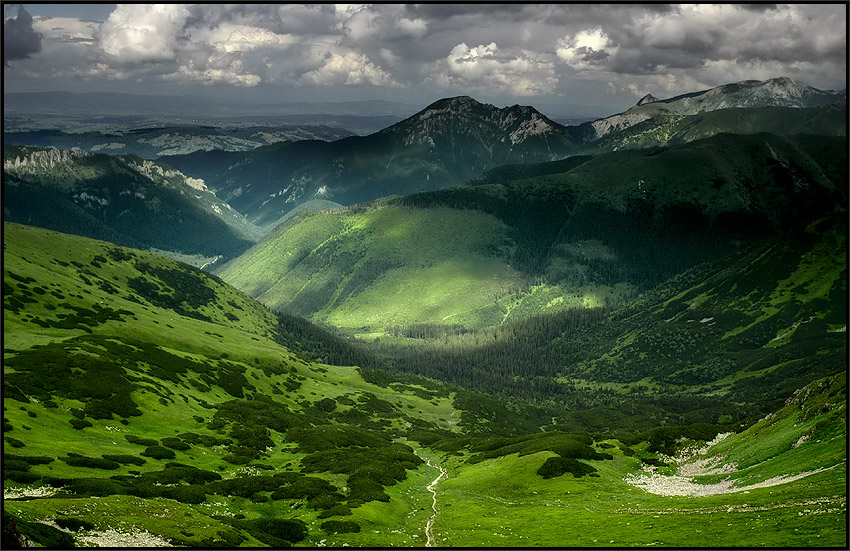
(429, 526)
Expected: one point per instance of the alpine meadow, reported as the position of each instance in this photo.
(437, 275)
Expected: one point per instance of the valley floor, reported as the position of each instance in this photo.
(503, 503)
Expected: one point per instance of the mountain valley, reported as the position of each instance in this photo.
(476, 327)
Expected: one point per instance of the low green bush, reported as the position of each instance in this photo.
(74, 524)
(124, 459)
(175, 443)
(340, 527)
(39, 534)
(186, 494)
(77, 460)
(96, 487)
(556, 466)
(24, 477)
(338, 510)
(158, 452)
(80, 424)
(29, 459)
(274, 531)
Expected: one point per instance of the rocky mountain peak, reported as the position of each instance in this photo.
(515, 123)
(649, 98)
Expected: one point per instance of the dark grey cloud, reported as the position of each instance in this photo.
(20, 40)
(759, 7)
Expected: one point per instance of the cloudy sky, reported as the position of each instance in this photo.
(589, 59)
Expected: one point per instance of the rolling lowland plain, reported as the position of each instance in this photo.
(634, 334)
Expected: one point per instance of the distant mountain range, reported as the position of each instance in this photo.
(455, 138)
(451, 140)
(660, 130)
(153, 142)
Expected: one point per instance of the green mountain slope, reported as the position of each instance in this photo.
(778, 483)
(133, 384)
(752, 327)
(371, 268)
(123, 199)
(442, 145)
(541, 238)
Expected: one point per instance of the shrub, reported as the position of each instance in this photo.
(23, 477)
(40, 534)
(29, 459)
(338, 510)
(175, 443)
(96, 487)
(158, 452)
(556, 466)
(325, 501)
(303, 487)
(288, 529)
(186, 494)
(245, 486)
(125, 459)
(77, 460)
(80, 424)
(74, 524)
(328, 437)
(119, 404)
(237, 459)
(340, 527)
(15, 464)
(326, 404)
(365, 490)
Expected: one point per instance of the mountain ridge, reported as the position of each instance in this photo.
(449, 141)
(126, 199)
(777, 92)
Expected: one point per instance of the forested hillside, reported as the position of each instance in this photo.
(524, 240)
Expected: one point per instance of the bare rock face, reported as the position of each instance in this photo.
(649, 98)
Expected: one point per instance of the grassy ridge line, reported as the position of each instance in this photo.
(58, 258)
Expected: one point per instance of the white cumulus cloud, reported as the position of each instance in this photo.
(139, 33)
(588, 48)
(347, 68)
(486, 67)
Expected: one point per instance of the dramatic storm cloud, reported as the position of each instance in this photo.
(602, 56)
(20, 40)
